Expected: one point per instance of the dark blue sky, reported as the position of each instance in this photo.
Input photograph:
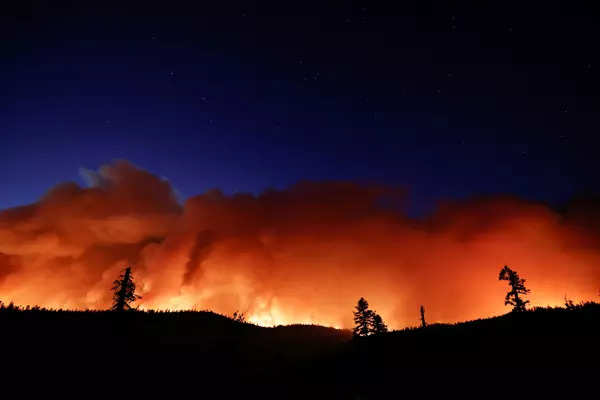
(445, 100)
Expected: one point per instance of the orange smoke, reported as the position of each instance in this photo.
(301, 255)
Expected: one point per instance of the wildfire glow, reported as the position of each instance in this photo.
(301, 255)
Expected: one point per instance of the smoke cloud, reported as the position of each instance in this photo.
(304, 254)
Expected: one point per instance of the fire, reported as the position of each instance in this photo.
(300, 255)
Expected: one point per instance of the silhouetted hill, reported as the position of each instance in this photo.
(299, 360)
(539, 337)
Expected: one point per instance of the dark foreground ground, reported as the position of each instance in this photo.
(206, 355)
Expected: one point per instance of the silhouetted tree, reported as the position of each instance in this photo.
(239, 316)
(379, 327)
(10, 307)
(569, 305)
(124, 289)
(517, 286)
(363, 319)
(423, 323)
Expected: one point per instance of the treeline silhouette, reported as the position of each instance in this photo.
(368, 322)
(296, 361)
(298, 357)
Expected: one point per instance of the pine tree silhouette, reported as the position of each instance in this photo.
(239, 316)
(517, 286)
(569, 305)
(423, 323)
(363, 318)
(379, 327)
(124, 289)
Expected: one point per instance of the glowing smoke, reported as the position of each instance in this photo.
(305, 254)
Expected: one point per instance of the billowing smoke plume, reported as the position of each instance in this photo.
(305, 254)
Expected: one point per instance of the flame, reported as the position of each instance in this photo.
(300, 255)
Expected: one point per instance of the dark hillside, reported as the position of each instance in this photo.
(190, 347)
(540, 337)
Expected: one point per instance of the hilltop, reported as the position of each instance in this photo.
(221, 349)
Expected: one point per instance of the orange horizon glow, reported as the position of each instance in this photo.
(301, 255)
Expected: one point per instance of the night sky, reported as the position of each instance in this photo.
(447, 101)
